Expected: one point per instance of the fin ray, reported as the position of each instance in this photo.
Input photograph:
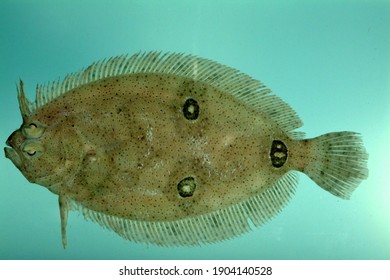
(225, 79)
(339, 162)
(207, 228)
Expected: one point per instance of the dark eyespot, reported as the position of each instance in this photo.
(191, 109)
(186, 187)
(278, 153)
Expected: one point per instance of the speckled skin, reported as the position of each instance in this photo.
(125, 145)
(120, 146)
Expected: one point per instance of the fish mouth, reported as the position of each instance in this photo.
(13, 156)
(10, 151)
(9, 140)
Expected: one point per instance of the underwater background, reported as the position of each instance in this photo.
(329, 60)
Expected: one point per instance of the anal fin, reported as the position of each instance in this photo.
(207, 228)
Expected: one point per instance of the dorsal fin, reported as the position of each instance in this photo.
(208, 228)
(224, 78)
(25, 105)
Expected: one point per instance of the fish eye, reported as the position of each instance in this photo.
(33, 130)
(32, 148)
(32, 153)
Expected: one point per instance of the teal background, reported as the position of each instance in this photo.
(330, 60)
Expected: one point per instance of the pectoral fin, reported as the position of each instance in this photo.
(64, 209)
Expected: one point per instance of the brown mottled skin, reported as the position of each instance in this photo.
(173, 150)
(121, 145)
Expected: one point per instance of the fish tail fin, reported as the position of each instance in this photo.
(338, 162)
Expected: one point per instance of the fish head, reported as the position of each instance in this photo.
(24, 146)
(41, 153)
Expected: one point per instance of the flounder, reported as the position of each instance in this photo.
(173, 149)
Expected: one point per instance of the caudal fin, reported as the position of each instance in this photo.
(338, 162)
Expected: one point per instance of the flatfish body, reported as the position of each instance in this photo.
(173, 149)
